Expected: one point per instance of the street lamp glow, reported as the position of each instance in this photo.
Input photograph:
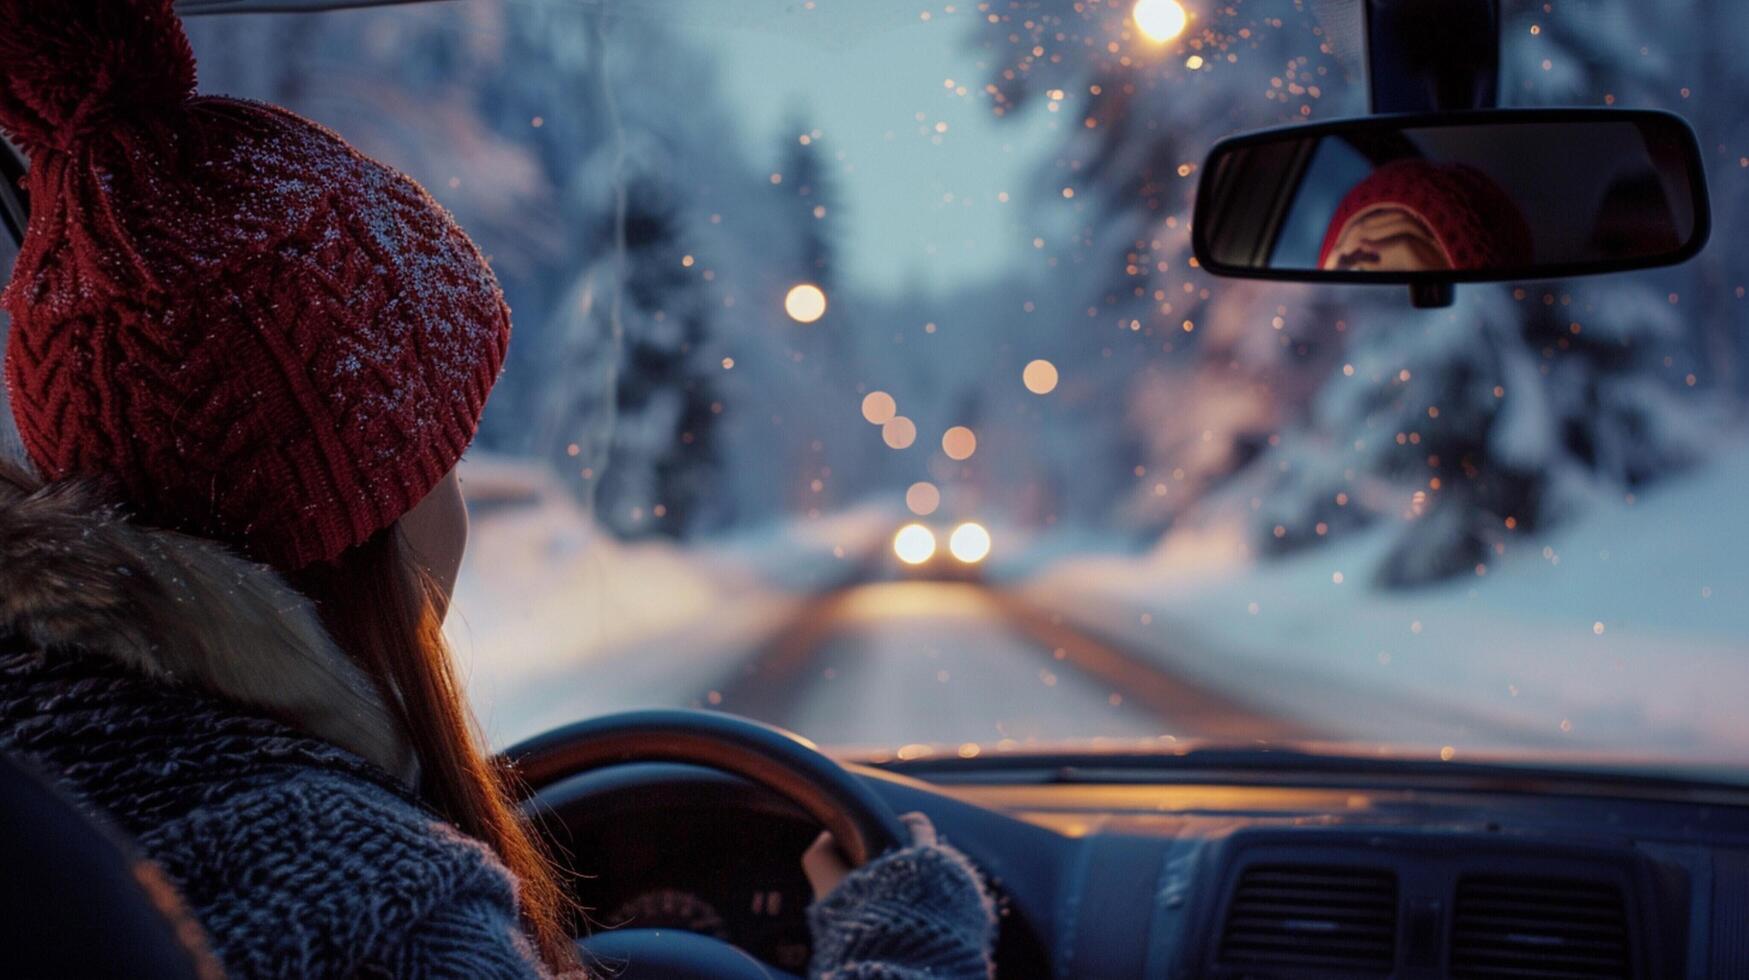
(1160, 20)
(805, 302)
(914, 544)
(899, 432)
(1040, 377)
(923, 498)
(969, 542)
(878, 407)
(959, 443)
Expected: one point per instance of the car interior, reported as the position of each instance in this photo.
(681, 828)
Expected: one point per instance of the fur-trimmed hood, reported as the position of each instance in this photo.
(75, 573)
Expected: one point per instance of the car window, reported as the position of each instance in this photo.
(864, 382)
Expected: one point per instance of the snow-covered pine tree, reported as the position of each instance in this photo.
(1326, 410)
(812, 198)
(487, 107)
(1563, 391)
(513, 115)
(637, 414)
(1711, 79)
(1196, 372)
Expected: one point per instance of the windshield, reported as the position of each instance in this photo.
(863, 382)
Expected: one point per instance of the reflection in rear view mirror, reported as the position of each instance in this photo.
(1491, 195)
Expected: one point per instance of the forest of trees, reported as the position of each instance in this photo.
(609, 195)
(645, 247)
(1495, 417)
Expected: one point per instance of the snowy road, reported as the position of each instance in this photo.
(895, 663)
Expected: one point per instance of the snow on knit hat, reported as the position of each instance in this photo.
(1475, 221)
(253, 331)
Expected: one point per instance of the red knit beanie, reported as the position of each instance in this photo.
(1476, 222)
(255, 332)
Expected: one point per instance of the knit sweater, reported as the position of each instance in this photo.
(300, 856)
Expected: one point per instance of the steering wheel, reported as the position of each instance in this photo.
(861, 822)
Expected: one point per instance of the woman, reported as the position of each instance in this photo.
(1415, 215)
(247, 359)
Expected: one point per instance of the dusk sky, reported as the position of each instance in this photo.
(862, 73)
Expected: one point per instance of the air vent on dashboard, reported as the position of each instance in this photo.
(1326, 918)
(1521, 926)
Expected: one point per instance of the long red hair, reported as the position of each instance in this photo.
(383, 610)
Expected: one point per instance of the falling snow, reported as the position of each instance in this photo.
(895, 268)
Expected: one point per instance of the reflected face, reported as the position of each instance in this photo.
(1387, 238)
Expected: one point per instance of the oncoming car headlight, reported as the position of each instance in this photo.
(914, 544)
(970, 542)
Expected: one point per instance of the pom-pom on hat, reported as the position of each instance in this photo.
(253, 331)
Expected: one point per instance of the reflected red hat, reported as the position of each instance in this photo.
(1475, 221)
(257, 333)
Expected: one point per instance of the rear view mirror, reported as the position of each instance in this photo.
(1454, 197)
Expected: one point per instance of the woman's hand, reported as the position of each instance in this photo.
(824, 864)
(916, 912)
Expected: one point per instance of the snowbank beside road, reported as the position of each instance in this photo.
(1625, 631)
(555, 620)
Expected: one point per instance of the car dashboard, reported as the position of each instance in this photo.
(1219, 872)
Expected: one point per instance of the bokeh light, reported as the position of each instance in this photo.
(805, 302)
(970, 542)
(1040, 377)
(923, 498)
(914, 544)
(959, 442)
(879, 407)
(899, 432)
(1160, 20)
